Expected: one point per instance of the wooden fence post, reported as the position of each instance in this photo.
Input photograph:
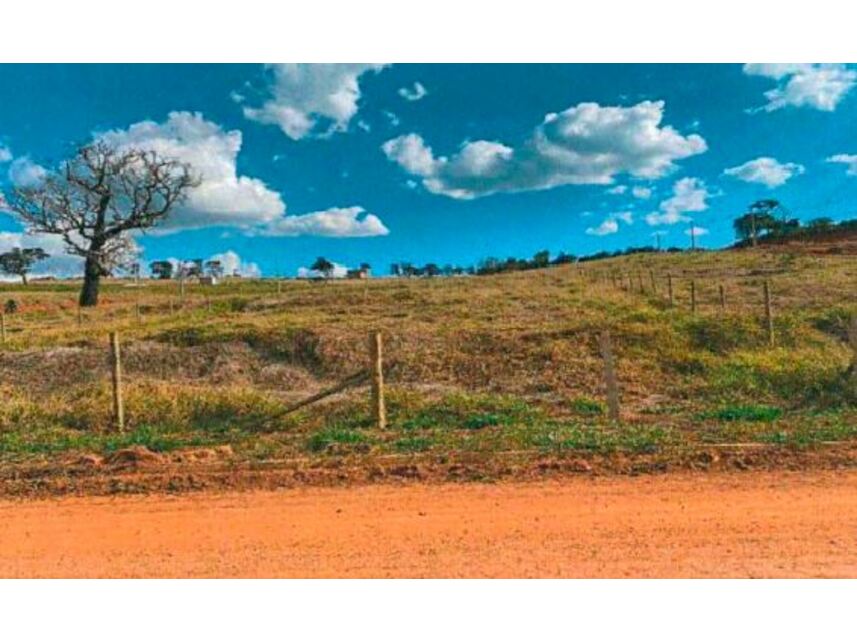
(630, 282)
(279, 286)
(611, 387)
(640, 279)
(172, 306)
(137, 311)
(852, 339)
(722, 298)
(116, 363)
(654, 283)
(3, 326)
(693, 296)
(670, 288)
(379, 410)
(769, 317)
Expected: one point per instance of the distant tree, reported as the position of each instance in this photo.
(760, 219)
(18, 261)
(214, 267)
(161, 269)
(541, 259)
(395, 270)
(10, 307)
(96, 198)
(431, 270)
(324, 267)
(820, 224)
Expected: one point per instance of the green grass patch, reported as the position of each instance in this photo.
(747, 413)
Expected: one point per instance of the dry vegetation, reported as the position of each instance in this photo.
(488, 365)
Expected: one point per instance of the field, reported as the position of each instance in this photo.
(487, 377)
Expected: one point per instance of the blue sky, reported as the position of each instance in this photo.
(446, 163)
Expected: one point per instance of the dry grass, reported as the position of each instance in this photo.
(490, 363)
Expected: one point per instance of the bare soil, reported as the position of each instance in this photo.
(723, 524)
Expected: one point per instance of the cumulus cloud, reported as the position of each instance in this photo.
(233, 265)
(696, 231)
(689, 195)
(333, 222)
(821, 87)
(641, 192)
(610, 225)
(414, 92)
(619, 189)
(311, 99)
(849, 160)
(24, 172)
(585, 144)
(765, 170)
(223, 197)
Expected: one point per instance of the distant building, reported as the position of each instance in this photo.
(208, 280)
(358, 273)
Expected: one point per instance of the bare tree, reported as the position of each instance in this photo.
(95, 199)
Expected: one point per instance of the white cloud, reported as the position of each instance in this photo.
(232, 264)
(619, 189)
(641, 192)
(689, 195)
(223, 197)
(24, 172)
(585, 144)
(413, 93)
(339, 272)
(765, 170)
(333, 222)
(696, 231)
(311, 99)
(392, 117)
(850, 160)
(5, 154)
(804, 85)
(608, 226)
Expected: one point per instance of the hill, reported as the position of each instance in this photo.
(491, 369)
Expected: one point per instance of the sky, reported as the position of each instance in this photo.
(443, 163)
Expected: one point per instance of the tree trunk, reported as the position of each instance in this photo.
(24, 278)
(91, 281)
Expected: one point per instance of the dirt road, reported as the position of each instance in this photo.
(747, 524)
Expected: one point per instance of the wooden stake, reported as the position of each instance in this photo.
(279, 287)
(640, 279)
(693, 296)
(611, 387)
(137, 311)
(3, 326)
(116, 363)
(670, 288)
(654, 283)
(769, 317)
(172, 306)
(379, 410)
(722, 298)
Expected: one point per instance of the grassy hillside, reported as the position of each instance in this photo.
(475, 364)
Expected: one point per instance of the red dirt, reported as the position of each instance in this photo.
(771, 524)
